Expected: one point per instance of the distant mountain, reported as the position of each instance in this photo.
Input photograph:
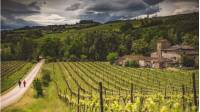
(9, 24)
(88, 22)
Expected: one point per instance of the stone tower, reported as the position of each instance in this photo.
(161, 44)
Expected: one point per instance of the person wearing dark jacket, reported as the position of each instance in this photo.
(24, 82)
(19, 82)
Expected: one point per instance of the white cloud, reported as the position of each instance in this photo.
(54, 11)
(50, 19)
(72, 21)
(178, 7)
(188, 7)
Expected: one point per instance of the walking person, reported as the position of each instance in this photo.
(19, 82)
(24, 82)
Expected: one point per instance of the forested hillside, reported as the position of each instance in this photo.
(90, 40)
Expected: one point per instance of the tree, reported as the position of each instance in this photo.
(197, 62)
(66, 54)
(73, 57)
(46, 77)
(52, 47)
(83, 57)
(187, 61)
(16, 50)
(111, 57)
(190, 39)
(127, 26)
(27, 48)
(34, 34)
(122, 50)
(132, 64)
(6, 53)
(37, 84)
(140, 46)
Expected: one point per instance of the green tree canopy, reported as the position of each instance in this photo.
(127, 26)
(140, 46)
(52, 47)
(188, 61)
(112, 56)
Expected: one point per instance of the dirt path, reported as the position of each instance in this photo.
(17, 92)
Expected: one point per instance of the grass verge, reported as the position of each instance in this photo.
(49, 103)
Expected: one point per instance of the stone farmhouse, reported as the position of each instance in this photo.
(166, 55)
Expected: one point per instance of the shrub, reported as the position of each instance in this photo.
(187, 61)
(132, 64)
(38, 87)
(196, 62)
(111, 57)
(46, 77)
(83, 57)
(50, 59)
(127, 26)
(73, 57)
(34, 61)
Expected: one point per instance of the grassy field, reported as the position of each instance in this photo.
(49, 103)
(12, 71)
(154, 90)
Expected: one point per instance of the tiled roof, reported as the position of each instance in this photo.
(163, 40)
(133, 57)
(180, 47)
(192, 53)
(162, 60)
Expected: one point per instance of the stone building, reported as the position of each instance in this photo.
(172, 55)
(166, 55)
(122, 61)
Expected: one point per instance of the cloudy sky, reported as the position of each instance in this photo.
(19, 13)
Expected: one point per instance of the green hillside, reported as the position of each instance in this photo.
(93, 41)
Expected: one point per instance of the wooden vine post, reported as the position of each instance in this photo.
(112, 92)
(119, 96)
(131, 92)
(183, 96)
(105, 92)
(159, 85)
(194, 89)
(78, 107)
(70, 95)
(101, 96)
(165, 93)
(119, 92)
